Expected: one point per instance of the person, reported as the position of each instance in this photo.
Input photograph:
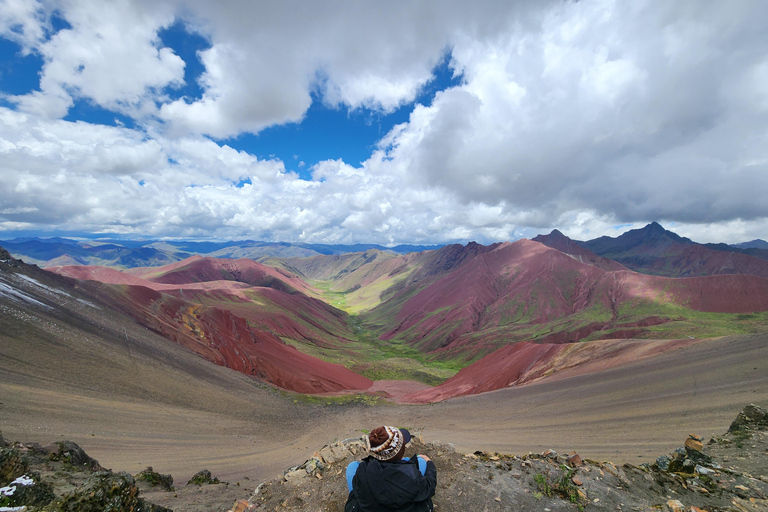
(385, 480)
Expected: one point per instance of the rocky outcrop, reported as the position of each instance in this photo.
(102, 491)
(63, 478)
(155, 479)
(203, 477)
(694, 478)
(751, 418)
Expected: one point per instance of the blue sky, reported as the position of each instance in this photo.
(410, 122)
(326, 132)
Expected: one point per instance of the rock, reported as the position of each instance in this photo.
(27, 490)
(701, 470)
(751, 417)
(574, 460)
(750, 505)
(296, 476)
(12, 465)
(694, 443)
(676, 506)
(155, 479)
(203, 477)
(550, 454)
(242, 506)
(105, 491)
(67, 451)
(334, 452)
(663, 462)
(576, 481)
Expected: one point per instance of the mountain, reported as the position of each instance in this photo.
(754, 244)
(422, 315)
(657, 251)
(562, 243)
(527, 291)
(51, 252)
(237, 324)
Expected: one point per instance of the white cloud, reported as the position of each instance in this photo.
(23, 21)
(578, 115)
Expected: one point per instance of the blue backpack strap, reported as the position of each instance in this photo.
(352, 469)
(422, 465)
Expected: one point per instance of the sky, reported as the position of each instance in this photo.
(383, 122)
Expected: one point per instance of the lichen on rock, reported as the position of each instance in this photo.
(203, 477)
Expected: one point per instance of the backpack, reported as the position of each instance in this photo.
(351, 504)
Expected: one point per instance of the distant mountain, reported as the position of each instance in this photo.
(49, 252)
(343, 249)
(752, 251)
(657, 251)
(754, 244)
(562, 243)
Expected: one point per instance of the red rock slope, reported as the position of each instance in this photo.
(523, 362)
(492, 296)
(219, 335)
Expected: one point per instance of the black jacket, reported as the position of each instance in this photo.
(393, 486)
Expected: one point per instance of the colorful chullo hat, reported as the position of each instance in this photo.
(384, 443)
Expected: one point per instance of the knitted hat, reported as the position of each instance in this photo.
(384, 443)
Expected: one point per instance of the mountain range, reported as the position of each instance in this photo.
(456, 320)
(48, 252)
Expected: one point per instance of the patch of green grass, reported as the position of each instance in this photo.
(350, 399)
(401, 368)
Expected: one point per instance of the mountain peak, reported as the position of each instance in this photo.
(556, 233)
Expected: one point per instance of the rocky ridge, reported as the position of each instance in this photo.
(727, 473)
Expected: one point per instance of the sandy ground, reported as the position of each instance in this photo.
(224, 423)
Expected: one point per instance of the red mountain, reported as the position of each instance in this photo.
(198, 269)
(249, 343)
(526, 290)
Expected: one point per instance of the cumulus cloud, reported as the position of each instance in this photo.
(579, 115)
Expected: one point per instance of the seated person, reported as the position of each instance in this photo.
(387, 481)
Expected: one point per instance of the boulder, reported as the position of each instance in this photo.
(67, 451)
(203, 477)
(574, 460)
(155, 479)
(694, 443)
(334, 453)
(751, 417)
(296, 476)
(105, 491)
